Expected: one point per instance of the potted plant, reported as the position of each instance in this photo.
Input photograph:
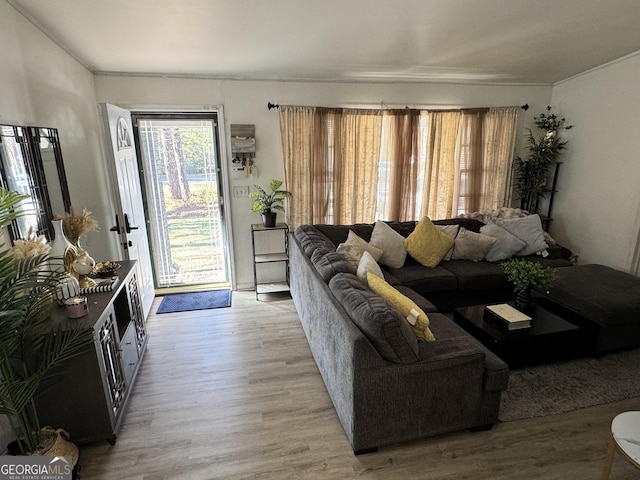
(264, 203)
(524, 274)
(31, 348)
(531, 173)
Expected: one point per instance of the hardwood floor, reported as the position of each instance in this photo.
(234, 393)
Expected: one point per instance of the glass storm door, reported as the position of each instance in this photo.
(183, 193)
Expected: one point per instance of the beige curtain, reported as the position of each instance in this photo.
(357, 143)
(296, 128)
(331, 161)
(348, 166)
(468, 166)
(441, 179)
(498, 145)
(399, 165)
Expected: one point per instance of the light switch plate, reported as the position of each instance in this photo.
(241, 191)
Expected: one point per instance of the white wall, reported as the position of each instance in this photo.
(246, 102)
(597, 209)
(42, 85)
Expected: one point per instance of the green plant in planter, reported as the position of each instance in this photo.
(264, 202)
(531, 173)
(30, 349)
(524, 274)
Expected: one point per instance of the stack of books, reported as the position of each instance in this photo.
(102, 285)
(510, 317)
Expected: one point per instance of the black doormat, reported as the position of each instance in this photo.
(184, 302)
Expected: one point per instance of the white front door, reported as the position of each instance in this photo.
(130, 219)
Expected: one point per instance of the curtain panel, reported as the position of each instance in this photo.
(347, 166)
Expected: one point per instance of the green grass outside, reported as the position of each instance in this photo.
(199, 258)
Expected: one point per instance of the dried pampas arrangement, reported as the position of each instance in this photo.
(31, 246)
(75, 225)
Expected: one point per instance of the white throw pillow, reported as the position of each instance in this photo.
(391, 243)
(368, 264)
(529, 230)
(506, 246)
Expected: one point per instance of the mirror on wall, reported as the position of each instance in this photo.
(31, 164)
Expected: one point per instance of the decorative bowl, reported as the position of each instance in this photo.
(106, 269)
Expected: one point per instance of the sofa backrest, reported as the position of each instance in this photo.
(383, 325)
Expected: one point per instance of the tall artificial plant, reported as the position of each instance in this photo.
(544, 150)
(30, 348)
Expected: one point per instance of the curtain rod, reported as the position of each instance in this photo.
(271, 106)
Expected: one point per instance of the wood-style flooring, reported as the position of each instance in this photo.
(234, 393)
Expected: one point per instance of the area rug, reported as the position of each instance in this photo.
(567, 386)
(183, 302)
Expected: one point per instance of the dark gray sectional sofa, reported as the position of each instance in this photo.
(387, 387)
(452, 283)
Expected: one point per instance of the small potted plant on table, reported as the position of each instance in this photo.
(524, 274)
(265, 203)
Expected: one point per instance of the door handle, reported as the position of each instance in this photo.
(116, 227)
(127, 226)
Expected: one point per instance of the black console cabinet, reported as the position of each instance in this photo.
(90, 399)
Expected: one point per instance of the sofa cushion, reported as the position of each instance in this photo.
(328, 263)
(311, 238)
(338, 233)
(468, 223)
(602, 294)
(416, 317)
(506, 245)
(368, 265)
(391, 243)
(469, 245)
(389, 333)
(423, 279)
(427, 244)
(477, 275)
(423, 303)
(403, 228)
(529, 230)
(496, 374)
(354, 247)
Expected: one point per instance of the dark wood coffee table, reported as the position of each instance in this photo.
(555, 334)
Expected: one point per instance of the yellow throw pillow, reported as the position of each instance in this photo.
(407, 307)
(427, 244)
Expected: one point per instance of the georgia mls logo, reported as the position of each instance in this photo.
(35, 468)
(66, 463)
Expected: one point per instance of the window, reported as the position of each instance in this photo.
(349, 166)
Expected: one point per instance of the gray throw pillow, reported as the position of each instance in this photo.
(471, 246)
(529, 230)
(391, 243)
(506, 246)
(451, 231)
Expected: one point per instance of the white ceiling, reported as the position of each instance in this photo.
(479, 41)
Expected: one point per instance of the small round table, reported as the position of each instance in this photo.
(625, 437)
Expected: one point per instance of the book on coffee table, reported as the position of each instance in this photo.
(513, 318)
